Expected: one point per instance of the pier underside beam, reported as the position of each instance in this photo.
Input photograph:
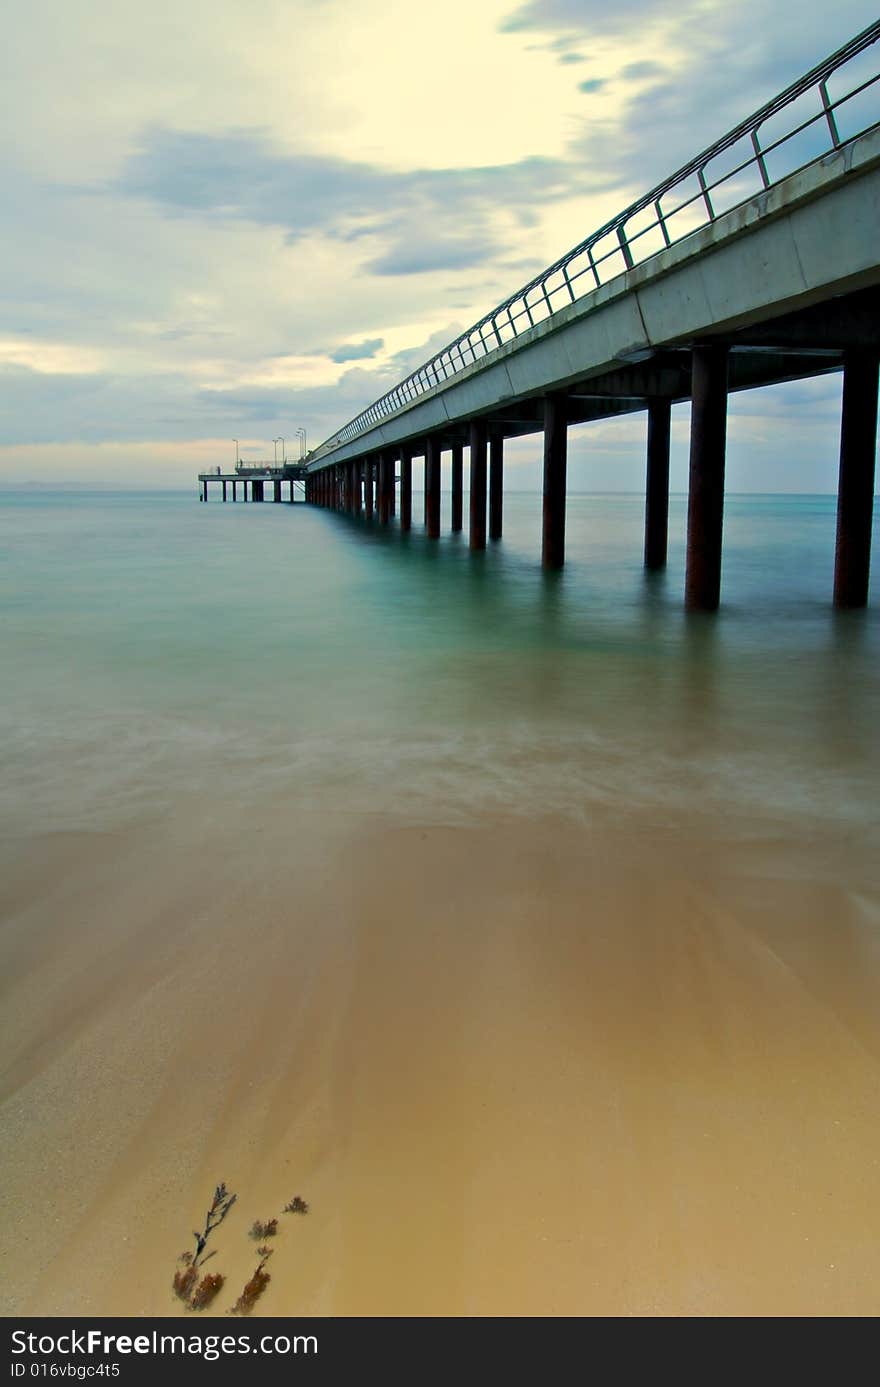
(432, 486)
(457, 486)
(478, 444)
(496, 486)
(406, 457)
(855, 489)
(657, 485)
(706, 483)
(555, 467)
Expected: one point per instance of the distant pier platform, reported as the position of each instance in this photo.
(251, 479)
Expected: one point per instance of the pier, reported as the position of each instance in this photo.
(757, 262)
(251, 479)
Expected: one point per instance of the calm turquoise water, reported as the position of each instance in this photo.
(154, 647)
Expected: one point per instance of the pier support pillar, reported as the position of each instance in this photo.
(203, 491)
(358, 495)
(555, 467)
(855, 487)
(496, 486)
(244, 489)
(368, 487)
(478, 484)
(457, 486)
(657, 484)
(702, 588)
(385, 483)
(234, 489)
(276, 491)
(350, 476)
(406, 488)
(224, 490)
(257, 491)
(432, 486)
(392, 487)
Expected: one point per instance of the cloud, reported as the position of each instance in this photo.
(428, 219)
(357, 351)
(579, 16)
(592, 84)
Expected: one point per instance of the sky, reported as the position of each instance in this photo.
(236, 218)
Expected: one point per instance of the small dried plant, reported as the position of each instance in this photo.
(260, 1231)
(197, 1294)
(254, 1288)
(296, 1206)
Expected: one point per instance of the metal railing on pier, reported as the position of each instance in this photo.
(830, 105)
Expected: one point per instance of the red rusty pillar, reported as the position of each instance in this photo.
(457, 486)
(657, 484)
(555, 466)
(478, 484)
(432, 486)
(706, 484)
(406, 487)
(496, 486)
(855, 487)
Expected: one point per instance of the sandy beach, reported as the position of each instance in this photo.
(515, 1068)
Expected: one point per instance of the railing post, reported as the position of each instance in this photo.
(657, 484)
(478, 484)
(706, 484)
(855, 489)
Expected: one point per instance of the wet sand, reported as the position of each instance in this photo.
(626, 1067)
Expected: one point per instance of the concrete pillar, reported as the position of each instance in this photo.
(496, 486)
(256, 491)
(358, 496)
(478, 484)
(203, 492)
(855, 488)
(555, 466)
(224, 489)
(368, 487)
(702, 587)
(457, 486)
(244, 487)
(406, 487)
(349, 486)
(276, 489)
(234, 489)
(392, 486)
(384, 498)
(290, 490)
(432, 488)
(657, 484)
